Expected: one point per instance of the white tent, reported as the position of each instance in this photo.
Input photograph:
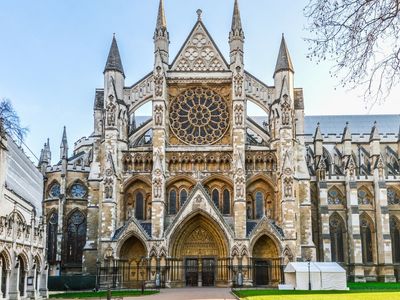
(322, 276)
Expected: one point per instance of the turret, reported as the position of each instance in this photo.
(284, 71)
(64, 145)
(236, 36)
(374, 144)
(161, 35)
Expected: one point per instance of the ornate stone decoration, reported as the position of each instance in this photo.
(199, 116)
(238, 82)
(158, 115)
(239, 114)
(199, 54)
(288, 187)
(158, 82)
(111, 109)
(286, 110)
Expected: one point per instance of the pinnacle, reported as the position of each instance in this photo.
(161, 20)
(374, 132)
(284, 62)
(114, 62)
(318, 134)
(236, 20)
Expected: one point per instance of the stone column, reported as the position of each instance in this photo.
(14, 293)
(43, 290)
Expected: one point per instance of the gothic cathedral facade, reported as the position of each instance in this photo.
(203, 194)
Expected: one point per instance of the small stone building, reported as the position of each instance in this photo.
(23, 266)
(200, 193)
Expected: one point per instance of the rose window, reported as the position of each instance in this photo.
(199, 117)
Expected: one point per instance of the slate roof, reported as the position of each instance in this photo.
(114, 62)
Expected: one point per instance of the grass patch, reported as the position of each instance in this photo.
(358, 291)
(101, 294)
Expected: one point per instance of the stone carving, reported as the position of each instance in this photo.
(288, 187)
(286, 111)
(157, 187)
(240, 181)
(158, 82)
(239, 114)
(238, 82)
(158, 115)
(199, 54)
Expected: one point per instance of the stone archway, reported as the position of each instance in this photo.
(133, 263)
(266, 262)
(199, 250)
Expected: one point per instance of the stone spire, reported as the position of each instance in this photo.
(236, 35)
(114, 62)
(318, 134)
(374, 136)
(346, 133)
(161, 20)
(284, 62)
(64, 145)
(45, 155)
(161, 35)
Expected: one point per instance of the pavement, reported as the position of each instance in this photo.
(189, 294)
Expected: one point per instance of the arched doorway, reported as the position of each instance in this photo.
(133, 263)
(22, 276)
(4, 271)
(266, 262)
(199, 250)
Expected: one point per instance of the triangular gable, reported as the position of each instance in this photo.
(199, 53)
(199, 202)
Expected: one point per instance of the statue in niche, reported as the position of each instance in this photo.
(157, 183)
(288, 187)
(111, 108)
(239, 114)
(158, 82)
(158, 111)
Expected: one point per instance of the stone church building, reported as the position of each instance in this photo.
(202, 194)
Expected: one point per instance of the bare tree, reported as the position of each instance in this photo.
(362, 38)
(10, 121)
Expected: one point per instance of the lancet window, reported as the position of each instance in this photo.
(76, 237)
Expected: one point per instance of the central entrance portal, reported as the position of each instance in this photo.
(201, 248)
(200, 272)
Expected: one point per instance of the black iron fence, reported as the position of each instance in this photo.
(120, 274)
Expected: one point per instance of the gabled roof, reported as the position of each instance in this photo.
(199, 53)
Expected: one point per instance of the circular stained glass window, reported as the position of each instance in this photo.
(78, 190)
(55, 190)
(199, 117)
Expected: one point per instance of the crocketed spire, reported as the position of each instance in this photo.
(114, 62)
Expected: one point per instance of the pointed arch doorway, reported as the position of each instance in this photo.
(199, 250)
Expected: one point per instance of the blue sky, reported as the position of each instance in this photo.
(53, 53)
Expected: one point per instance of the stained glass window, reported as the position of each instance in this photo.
(76, 237)
(364, 198)
(392, 197)
(259, 205)
(215, 197)
(183, 197)
(139, 206)
(366, 241)
(335, 197)
(199, 117)
(54, 191)
(78, 190)
(227, 203)
(52, 238)
(336, 229)
(395, 235)
(172, 202)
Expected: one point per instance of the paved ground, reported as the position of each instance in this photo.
(190, 293)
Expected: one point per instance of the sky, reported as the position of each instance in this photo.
(52, 56)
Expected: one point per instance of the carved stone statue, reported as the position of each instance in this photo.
(158, 82)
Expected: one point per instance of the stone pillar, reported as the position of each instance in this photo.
(14, 293)
(159, 142)
(239, 142)
(384, 242)
(356, 270)
(43, 290)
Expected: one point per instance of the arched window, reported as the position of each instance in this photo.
(215, 197)
(226, 203)
(139, 206)
(366, 241)
(76, 237)
(335, 196)
(364, 197)
(52, 238)
(259, 205)
(172, 202)
(336, 230)
(395, 235)
(392, 196)
(55, 190)
(3, 282)
(183, 197)
(22, 274)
